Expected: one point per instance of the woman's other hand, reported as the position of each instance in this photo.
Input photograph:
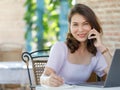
(55, 80)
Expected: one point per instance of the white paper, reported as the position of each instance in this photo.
(64, 86)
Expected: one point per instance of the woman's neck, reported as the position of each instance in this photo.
(82, 48)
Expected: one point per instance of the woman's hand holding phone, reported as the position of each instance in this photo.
(95, 35)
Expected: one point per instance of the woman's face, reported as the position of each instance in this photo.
(79, 27)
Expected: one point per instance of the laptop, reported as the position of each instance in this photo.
(113, 77)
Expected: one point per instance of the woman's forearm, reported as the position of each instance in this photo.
(108, 57)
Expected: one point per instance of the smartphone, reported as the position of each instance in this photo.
(91, 41)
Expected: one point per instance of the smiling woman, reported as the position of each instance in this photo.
(79, 53)
(79, 24)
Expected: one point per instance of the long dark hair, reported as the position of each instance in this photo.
(90, 16)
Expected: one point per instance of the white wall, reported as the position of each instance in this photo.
(11, 21)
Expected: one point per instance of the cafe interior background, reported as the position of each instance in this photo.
(29, 25)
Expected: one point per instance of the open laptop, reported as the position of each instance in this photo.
(113, 77)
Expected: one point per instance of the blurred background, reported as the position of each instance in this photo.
(29, 25)
(38, 24)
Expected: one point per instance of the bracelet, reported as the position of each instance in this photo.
(105, 51)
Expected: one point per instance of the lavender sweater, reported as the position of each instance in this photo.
(74, 73)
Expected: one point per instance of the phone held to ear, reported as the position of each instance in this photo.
(93, 39)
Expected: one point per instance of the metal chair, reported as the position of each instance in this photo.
(38, 68)
(39, 59)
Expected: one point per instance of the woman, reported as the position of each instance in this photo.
(73, 61)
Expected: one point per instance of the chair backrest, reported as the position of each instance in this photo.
(39, 59)
(38, 65)
(95, 78)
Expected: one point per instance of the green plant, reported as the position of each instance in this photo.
(29, 18)
(50, 23)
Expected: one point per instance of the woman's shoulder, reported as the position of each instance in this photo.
(60, 47)
(60, 44)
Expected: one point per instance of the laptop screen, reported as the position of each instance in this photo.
(113, 77)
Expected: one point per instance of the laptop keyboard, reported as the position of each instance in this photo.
(96, 83)
(92, 84)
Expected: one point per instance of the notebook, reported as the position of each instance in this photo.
(113, 77)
